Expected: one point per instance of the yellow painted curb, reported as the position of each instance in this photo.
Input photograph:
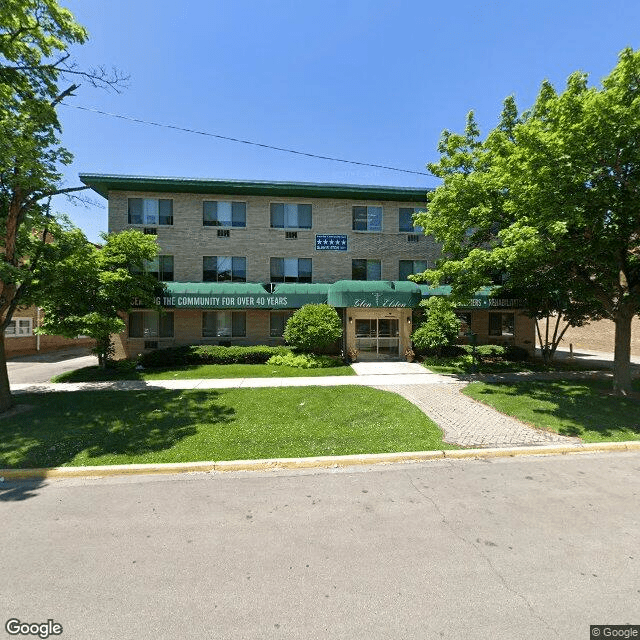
(313, 462)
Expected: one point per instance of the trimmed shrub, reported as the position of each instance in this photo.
(209, 354)
(305, 361)
(515, 353)
(440, 328)
(452, 351)
(313, 328)
(486, 350)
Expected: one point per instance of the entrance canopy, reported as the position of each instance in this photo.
(383, 293)
(254, 295)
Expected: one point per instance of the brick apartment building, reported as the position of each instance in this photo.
(20, 339)
(239, 257)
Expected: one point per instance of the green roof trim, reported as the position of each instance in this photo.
(300, 294)
(377, 293)
(216, 295)
(252, 295)
(104, 183)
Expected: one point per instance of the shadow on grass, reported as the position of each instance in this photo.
(572, 408)
(104, 423)
(120, 370)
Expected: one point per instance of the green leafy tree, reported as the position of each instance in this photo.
(313, 328)
(440, 328)
(554, 192)
(36, 75)
(88, 288)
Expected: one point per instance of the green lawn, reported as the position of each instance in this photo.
(463, 365)
(126, 371)
(159, 425)
(577, 408)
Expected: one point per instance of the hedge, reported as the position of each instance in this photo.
(209, 354)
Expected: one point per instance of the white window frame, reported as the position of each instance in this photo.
(368, 206)
(229, 224)
(154, 219)
(224, 319)
(290, 266)
(413, 229)
(413, 265)
(296, 204)
(17, 333)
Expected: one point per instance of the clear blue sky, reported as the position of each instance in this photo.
(373, 81)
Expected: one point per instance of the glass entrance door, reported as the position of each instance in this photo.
(378, 337)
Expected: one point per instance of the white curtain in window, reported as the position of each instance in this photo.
(224, 213)
(291, 267)
(224, 323)
(374, 218)
(374, 270)
(150, 325)
(150, 211)
(290, 215)
(224, 264)
(24, 327)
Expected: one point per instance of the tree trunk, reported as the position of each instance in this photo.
(6, 400)
(622, 354)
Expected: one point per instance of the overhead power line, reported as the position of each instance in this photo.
(249, 142)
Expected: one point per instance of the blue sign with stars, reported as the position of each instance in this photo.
(331, 243)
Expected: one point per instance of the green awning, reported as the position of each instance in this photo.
(481, 299)
(240, 295)
(380, 293)
(300, 294)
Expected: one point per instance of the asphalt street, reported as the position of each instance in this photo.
(517, 548)
(42, 367)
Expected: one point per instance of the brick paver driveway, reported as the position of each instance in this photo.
(470, 423)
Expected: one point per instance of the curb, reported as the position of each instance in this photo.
(310, 463)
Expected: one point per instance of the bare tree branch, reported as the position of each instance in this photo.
(67, 92)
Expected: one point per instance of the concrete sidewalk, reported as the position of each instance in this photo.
(464, 421)
(240, 383)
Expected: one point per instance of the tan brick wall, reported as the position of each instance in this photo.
(188, 330)
(524, 330)
(598, 336)
(30, 345)
(189, 241)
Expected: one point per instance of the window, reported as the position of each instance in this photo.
(150, 324)
(366, 270)
(224, 269)
(290, 269)
(367, 218)
(19, 328)
(290, 216)
(501, 324)
(408, 267)
(224, 214)
(405, 220)
(150, 211)
(160, 267)
(278, 322)
(465, 322)
(227, 324)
